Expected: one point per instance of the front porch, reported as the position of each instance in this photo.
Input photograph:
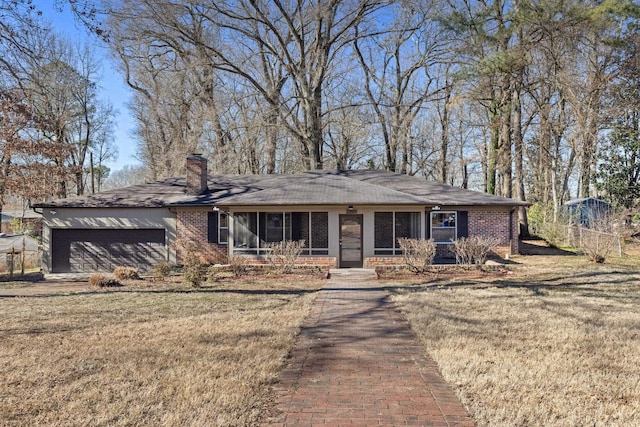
(339, 237)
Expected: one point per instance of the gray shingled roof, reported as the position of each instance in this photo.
(370, 187)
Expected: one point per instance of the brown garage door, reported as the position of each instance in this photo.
(81, 250)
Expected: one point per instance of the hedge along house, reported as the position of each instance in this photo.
(346, 219)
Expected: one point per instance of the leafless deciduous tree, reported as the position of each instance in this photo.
(280, 53)
(55, 81)
(399, 67)
(504, 95)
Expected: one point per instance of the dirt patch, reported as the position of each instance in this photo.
(541, 247)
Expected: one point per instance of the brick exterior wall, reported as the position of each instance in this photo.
(382, 261)
(193, 226)
(320, 261)
(495, 224)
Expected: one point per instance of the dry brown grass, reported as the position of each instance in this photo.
(158, 355)
(554, 342)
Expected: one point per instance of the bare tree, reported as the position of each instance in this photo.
(127, 176)
(398, 67)
(347, 134)
(502, 95)
(283, 51)
(56, 80)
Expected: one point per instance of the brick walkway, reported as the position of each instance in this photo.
(357, 363)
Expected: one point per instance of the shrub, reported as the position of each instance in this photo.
(126, 273)
(536, 218)
(162, 270)
(238, 265)
(283, 256)
(418, 254)
(474, 250)
(599, 240)
(553, 233)
(547, 223)
(193, 269)
(100, 280)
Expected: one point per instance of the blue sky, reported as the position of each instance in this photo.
(112, 86)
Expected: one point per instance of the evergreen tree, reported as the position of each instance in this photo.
(619, 172)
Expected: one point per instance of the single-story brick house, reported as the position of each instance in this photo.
(346, 218)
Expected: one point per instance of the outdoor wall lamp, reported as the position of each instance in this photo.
(217, 209)
(435, 208)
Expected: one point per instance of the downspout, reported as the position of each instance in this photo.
(511, 232)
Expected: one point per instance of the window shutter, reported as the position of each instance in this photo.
(212, 227)
(463, 224)
(427, 220)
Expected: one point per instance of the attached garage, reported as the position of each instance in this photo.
(86, 250)
(99, 239)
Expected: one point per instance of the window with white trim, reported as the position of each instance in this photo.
(218, 227)
(223, 228)
(444, 228)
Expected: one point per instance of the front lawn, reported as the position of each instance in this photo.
(554, 342)
(147, 354)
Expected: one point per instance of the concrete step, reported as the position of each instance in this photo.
(353, 274)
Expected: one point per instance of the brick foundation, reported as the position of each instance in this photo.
(316, 261)
(391, 262)
(383, 261)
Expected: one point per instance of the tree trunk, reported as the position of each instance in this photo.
(588, 155)
(506, 157)
(542, 176)
(271, 140)
(316, 143)
(444, 135)
(494, 145)
(523, 224)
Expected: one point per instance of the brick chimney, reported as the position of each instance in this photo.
(196, 174)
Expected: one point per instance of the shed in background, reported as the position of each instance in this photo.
(588, 211)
